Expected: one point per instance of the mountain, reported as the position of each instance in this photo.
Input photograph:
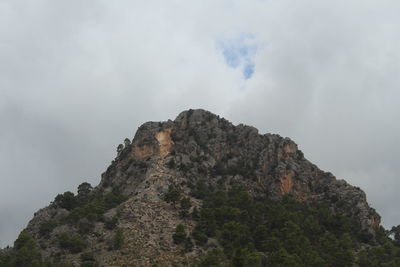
(201, 191)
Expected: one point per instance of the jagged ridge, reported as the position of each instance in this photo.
(197, 145)
(204, 146)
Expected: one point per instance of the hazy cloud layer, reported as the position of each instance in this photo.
(77, 77)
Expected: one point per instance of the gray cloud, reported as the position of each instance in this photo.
(77, 77)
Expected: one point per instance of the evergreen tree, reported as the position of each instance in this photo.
(118, 240)
(180, 235)
(173, 194)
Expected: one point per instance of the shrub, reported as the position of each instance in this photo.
(84, 190)
(180, 234)
(47, 227)
(173, 194)
(185, 203)
(188, 245)
(200, 189)
(87, 256)
(118, 240)
(88, 260)
(74, 243)
(171, 163)
(111, 223)
(185, 206)
(23, 239)
(27, 253)
(246, 257)
(214, 257)
(95, 207)
(89, 264)
(66, 200)
(85, 226)
(200, 237)
(5, 259)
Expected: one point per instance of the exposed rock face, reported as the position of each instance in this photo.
(200, 145)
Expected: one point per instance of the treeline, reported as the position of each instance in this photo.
(285, 233)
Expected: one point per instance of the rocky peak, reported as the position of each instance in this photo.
(197, 146)
(201, 145)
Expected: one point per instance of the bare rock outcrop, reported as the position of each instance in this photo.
(199, 145)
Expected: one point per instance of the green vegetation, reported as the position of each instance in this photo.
(285, 233)
(5, 259)
(118, 240)
(66, 200)
(47, 227)
(171, 163)
(185, 204)
(25, 253)
(93, 204)
(73, 243)
(88, 260)
(180, 234)
(111, 223)
(215, 257)
(188, 245)
(85, 208)
(173, 195)
(84, 190)
(250, 232)
(94, 207)
(200, 189)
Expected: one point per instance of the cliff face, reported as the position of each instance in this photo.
(197, 145)
(204, 146)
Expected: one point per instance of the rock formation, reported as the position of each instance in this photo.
(197, 145)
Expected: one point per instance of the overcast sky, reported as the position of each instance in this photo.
(77, 77)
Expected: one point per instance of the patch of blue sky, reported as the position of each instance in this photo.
(248, 70)
(239, 52)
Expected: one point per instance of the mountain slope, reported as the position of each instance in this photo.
(172, 173)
